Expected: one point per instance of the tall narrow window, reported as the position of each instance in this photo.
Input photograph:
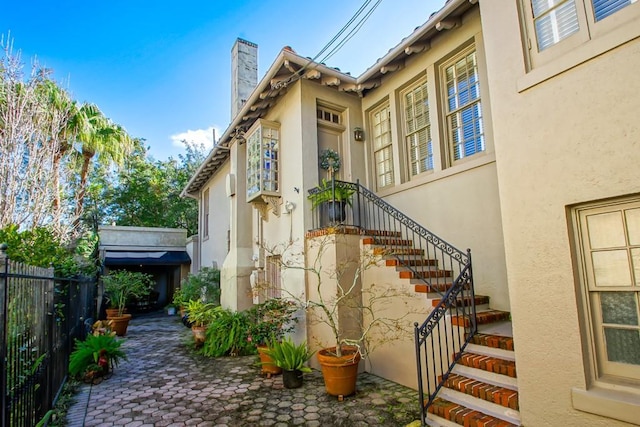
(464, 110)
(382, 146)
(205, 213)
(609, 237)
(263, 145)
(418, 129)
(273, 276)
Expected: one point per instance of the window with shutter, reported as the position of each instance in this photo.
(418, 128)
(463, 106)
(553, 23)
(382, 146)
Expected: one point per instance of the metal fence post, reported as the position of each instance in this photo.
(4, 292)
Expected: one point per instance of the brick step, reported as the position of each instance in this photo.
(397, 251)
(494, 341)
(464, 416)
(488, 363)
(415, 262)
(482, 318)
(386, 241)
(423, 288)
(381, 233)
(491, 393)
(429, 274)
(464, 302)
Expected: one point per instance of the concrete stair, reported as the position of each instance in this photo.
(482, 389)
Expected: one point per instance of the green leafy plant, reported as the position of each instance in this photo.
(95, 351)
(203, 285)
(271, 320)
(202, 313)
(122, 286)
(289, 356)
(227, 335)
(330, 191)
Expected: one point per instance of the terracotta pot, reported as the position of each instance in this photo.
(268, 367)
(113, 312)
(340, 373)
(292, 379)
(119, 324)
(199, 334)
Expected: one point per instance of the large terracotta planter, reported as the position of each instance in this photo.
(268, 367)
(113, 312)
(119, 324)
(340, 373)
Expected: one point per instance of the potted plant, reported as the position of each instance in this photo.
(95, 357)
(201, 314)
(270, 321)
(334, 196)
(121, 287)
(291, 359)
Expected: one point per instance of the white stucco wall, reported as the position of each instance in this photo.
(213, 248)
(571, 139)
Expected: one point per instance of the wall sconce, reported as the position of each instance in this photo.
(289, 207)
(358, 134)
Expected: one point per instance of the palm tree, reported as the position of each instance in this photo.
(98, 138)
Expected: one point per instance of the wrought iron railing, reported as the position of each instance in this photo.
(40, 317)
(439, 268)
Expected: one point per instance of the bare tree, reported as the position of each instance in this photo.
(34, 113)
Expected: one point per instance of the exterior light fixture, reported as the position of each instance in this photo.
(358, 134)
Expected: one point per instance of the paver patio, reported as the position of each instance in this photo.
(165, 383)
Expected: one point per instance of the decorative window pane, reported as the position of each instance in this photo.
(464, 109)
(554, 21)
(623, 345)
(382, 148)
(418, 129)
(619, 308)
(263, 145)
(604, 8)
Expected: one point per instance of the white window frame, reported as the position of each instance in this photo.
(455, 113)
(601, 368)
(263, 160)
(382, 145)
(415, 103)
(589, 29)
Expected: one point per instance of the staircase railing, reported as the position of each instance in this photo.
(431, 263)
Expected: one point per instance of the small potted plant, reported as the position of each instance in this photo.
(121, 287)
(291, 358)
(270, 321)
(201, 314)
(334, 196)
(171, 309)
(94, 357)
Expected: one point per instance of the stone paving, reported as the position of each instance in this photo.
(166, 383)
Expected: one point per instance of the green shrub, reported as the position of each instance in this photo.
(87, 353)
(122, 286)
(288, 356)
(203, 285)
(227, 335)
(202, 313)
(271, 320)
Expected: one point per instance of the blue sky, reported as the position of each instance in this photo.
(162, 69)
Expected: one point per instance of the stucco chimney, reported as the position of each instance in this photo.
(244, 73)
